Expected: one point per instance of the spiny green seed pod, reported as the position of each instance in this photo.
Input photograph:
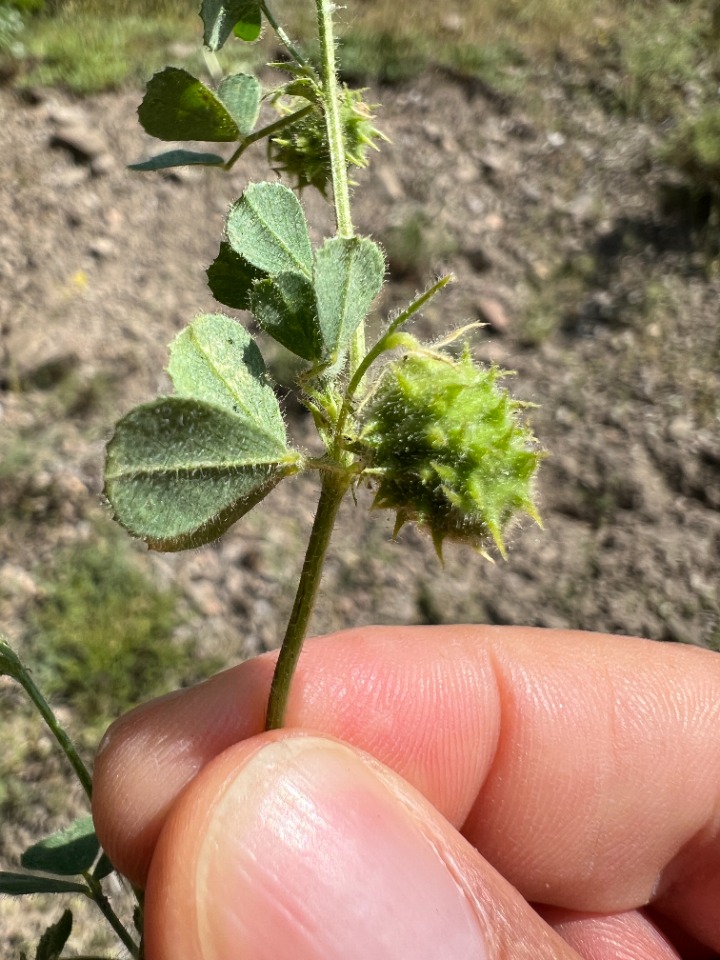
(301, 150)
(450, 449)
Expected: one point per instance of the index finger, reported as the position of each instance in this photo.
(584, 767)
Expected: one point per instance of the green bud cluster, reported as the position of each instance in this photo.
(450, 449)
(301, 151)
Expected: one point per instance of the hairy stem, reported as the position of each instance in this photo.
(334, 485)
(332, 492)
(98, 897)
(338, 164)
(268, 131)
(284, 38)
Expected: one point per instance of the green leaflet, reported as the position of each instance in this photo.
(22, 884)
(177, 106)
(311, 305)
(9, 661)
(221, 17)
(67, 852)
(348, 275)
(267, 227)
(180, 471)
(231, 278)
(216, 360)
(178, 158)
(285, 308)
(240, 95)
(55, 937)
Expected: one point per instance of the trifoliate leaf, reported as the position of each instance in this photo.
(177, 106)
(451, 449)
(285, 308)
(221, 17)
(348, 275)
(267, 227)
(241, 94)
(178, 158)
(216, 360)
(231, 278)
(22, 884)
(180, 471)
(53, 941)
(67, 852)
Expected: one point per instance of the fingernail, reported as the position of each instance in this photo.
(309, 856)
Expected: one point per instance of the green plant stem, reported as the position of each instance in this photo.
(285, 39)
(338, 163)
(26, 681)
(97, 896)
(386, 342)
(334, 485)
(268, 131)
(332, 492)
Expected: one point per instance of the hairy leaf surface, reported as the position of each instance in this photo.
(177, 106)
(267, 227)
(231, 278)
(216, 360)
(67, 852)
(240, 95)
(285, 308)
(348, 276)
(180, 471)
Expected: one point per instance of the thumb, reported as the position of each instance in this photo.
(292, 847)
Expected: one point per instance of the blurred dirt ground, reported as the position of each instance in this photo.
(601, 299)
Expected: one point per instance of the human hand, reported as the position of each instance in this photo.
(431, 784)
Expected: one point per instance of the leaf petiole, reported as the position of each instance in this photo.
(267, 131)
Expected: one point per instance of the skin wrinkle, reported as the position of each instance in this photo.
(521, 695)
(652, 726)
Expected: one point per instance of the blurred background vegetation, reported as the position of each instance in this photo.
(658, 61)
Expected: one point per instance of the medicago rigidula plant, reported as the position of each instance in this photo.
(436, 435)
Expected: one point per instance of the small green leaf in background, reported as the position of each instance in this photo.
(54, 939)
(22, 884)
(179, 472)
(221, 17)
(216, 360)
(285, 308)
(178, 158)
(67, 852)
(241, 94)
(267, 227)
(177, 106)
(249, 26)
(348, 276)
(231, 278)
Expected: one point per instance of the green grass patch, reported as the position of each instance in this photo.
(694, 149)
(667, 56)
(556, 299)
(415, 245)
(87, 52)
(102, 638)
